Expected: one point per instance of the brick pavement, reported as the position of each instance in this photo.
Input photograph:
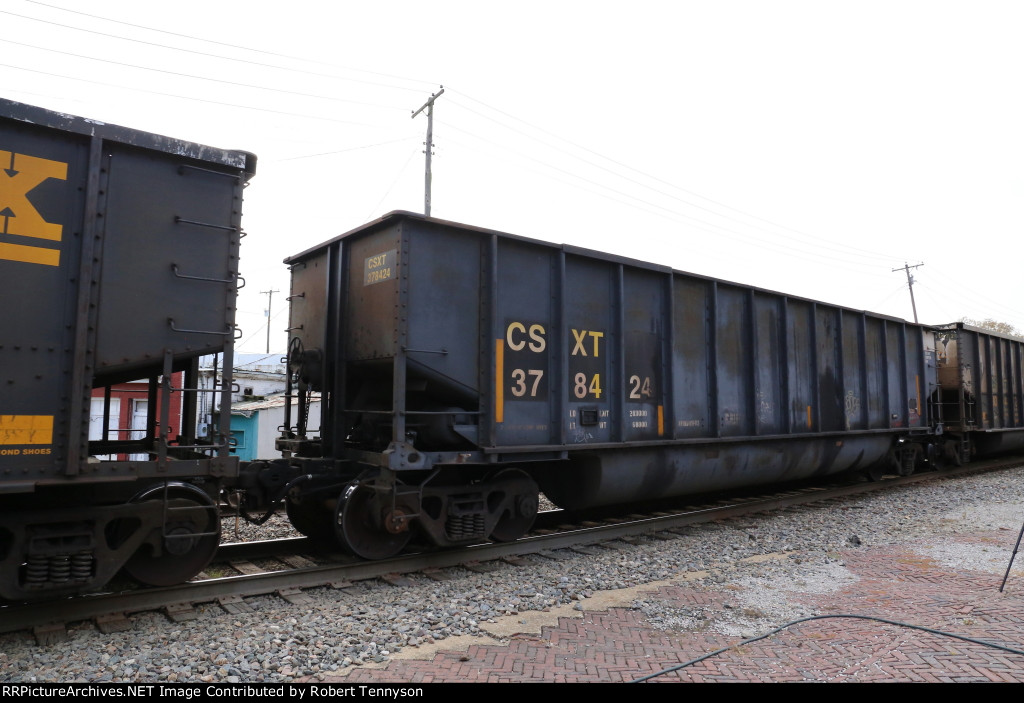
(609, 641)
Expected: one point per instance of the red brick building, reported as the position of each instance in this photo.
(128, 417)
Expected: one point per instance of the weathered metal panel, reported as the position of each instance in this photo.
(42, 206)
(875, 373)
(372, 313)
(312, 290)
(918, 382)
(733, 361)
(828, 364)
(528, 351)
(444, 277)
(591, 314)
(803, 374)
(1015, 382)
(88, 244)
(645, 329)
(853, 371)
(170, 234)
(896, 375)
(1008, 382)
(770, 365)
(694, 406)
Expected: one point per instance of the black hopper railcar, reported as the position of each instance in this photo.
(463, 370)
(980, 391)
(118, 261)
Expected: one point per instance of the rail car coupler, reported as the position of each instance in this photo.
(404, 456)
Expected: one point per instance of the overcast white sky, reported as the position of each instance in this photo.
(808, 147)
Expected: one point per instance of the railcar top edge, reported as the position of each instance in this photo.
(64, 122)
(394, 216)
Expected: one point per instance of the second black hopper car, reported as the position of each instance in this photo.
(462, 370)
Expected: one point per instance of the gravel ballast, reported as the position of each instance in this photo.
(371, 622)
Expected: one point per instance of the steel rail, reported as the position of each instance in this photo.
(47, 619)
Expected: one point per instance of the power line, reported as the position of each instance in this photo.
(259, 330)
(854, 250)
(676, 216)
(398, 177)
(206, 78)
(189, 97)
(843, 250)
(646, 204)
(202, 53)
(342, 151)
(219, 43)
(857, 252)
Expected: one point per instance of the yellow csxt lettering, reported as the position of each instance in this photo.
(580, 336)
(516, 333)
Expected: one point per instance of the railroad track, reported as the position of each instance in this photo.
(287, 567)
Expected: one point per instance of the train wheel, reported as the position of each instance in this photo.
(362, 527)
(951, 449)
(311, 518)
(875, 472)
(522, 511)
(189, 538)
(909, 459)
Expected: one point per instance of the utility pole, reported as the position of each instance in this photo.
(429, 107)
(910, 283)
(270, 300)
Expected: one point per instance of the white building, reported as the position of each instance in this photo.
(256, 424)
(255, 376)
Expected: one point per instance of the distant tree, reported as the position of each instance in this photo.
(989, 324)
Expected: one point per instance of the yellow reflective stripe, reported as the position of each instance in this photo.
(26, 429)
(30, 255)
(499, 380)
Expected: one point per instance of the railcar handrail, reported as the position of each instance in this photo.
(174, 267)
(170, 321)
(178, 219)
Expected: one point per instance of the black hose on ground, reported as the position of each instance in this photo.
(822, 617)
